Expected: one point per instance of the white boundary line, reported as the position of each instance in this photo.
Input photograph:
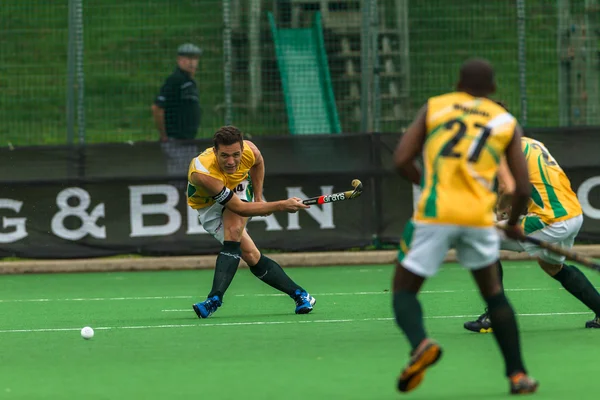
(388, 292)
(255, 323)
(259, 295)
(96, 299)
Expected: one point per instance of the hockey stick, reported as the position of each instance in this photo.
(330, 198)
(571, 255)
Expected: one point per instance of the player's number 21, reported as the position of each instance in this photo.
(473, 156)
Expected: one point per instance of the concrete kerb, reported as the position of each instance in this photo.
(207, 262)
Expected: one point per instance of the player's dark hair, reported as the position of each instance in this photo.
(477, 78)
(228, 135)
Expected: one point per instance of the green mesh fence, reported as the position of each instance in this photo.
(382, 65)
(130, 48)
(33, 75)
(444, 34)
(420, 46)
(260, 96)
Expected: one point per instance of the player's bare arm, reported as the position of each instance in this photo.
(257, 172)
(409, 147)
(506, 182)
(506, 187)
(518, 168)
(225, 197)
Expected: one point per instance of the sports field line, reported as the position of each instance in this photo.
(258, 295)
(436, 316)
(95, 299)
(254, 323)
(387, 292)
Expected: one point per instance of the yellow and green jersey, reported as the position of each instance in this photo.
(206, 163)
(552, 199)
(466, 138)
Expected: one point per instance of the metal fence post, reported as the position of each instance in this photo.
(227, 59)
(522, 60)
(365, 68)
(591, 60)
(404, 89)
(71, 66)
(79, 71)
(255, 56)
(564, 62)
(376, 66)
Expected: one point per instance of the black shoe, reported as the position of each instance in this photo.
(595, 323)
(481, 325)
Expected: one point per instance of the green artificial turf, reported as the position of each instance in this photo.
(149, 344)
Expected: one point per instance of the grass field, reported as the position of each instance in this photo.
(149, 343)
(129, 49)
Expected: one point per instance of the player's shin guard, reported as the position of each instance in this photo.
(228, 261)
(506, 332)
(576, 283)
(409, 317)
(273, 275)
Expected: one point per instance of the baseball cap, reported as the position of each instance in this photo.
(188, 49)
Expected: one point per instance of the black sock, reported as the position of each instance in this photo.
(409, 317)
(228, 261)
(579, 286)
(506, 332)
(273, 275)
(501, 277)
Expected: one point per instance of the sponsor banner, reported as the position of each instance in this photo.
(106, 199)
(100, 219)
(586, 184)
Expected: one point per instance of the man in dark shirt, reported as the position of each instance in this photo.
(176, 112)
(177, 109)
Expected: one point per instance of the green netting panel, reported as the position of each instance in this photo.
(130, 48)
(541, 63)
(33, 53)
(444, 34)
(258, 96)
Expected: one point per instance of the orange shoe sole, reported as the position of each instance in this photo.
(531, 388)
(414, 373)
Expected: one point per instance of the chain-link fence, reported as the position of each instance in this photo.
(101, 63)
(33, 75)
(89, 71)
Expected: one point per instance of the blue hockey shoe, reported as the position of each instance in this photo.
(304, 302)
(206, 308)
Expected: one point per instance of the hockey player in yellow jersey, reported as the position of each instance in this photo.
(225, 185)
(553, 215)
(462, 137)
